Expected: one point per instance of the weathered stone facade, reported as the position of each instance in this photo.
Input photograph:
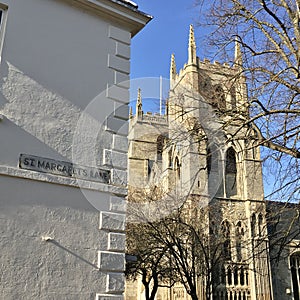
(201, 149)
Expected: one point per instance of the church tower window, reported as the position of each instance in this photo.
(242, 276)
(214, 173)
(236, 276)
(295, 270)
(253, 225)
(230, 173)
(239, 239)
(177, 168)
(150, 164)
(159, 147)
(170, 164)
(229, 276)
(208, 161)
(260, 225)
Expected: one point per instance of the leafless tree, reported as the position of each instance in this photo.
(149, 259)
(177, 248)
(189, 246)
(169, 250)
(268, 36)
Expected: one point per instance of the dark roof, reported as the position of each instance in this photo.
(131, 5)
(127, 3)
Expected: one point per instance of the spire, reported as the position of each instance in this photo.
(238, 57)
(192, 58)
(139, 108)
(130, 113)
(173, 67)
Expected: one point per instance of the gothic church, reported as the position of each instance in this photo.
(201, 149)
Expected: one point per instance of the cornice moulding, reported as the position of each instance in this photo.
(123, 14)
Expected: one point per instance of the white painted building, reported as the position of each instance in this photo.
(63, 157)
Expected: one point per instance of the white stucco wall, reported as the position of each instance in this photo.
(57, 66)
(54, 63)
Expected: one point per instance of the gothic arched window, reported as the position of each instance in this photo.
(242, 276)
(177, 168)
(208, 161)
(230, 173)
(214, 171)
(229, 276)
(295, 270)
(170, 163)
(159, 147)
(260, 224)
(236, 276)
(239, 238)
(149, 168)
(253, 225)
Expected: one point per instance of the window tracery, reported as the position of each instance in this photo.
(230, 173)
(177, 169)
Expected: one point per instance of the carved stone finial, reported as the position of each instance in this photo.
(192, 58)
(238, 57)
(130, 112)
(173, 71)
(139, 105)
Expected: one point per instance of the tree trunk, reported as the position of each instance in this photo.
(146, 283)
(193, 294)
(155, 286)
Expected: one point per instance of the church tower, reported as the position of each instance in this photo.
(205, 150)
(147, 132)
(208, 101)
